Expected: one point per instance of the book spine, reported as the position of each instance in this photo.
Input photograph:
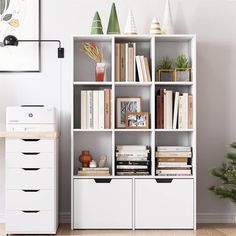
(134, 56)
(169, 109)
(83, 114)
(117, 62)
(190, 111)
(122, 62)
(101, 110)
(159, 112)
(173, 149)
(95, 109)
(173, 159)
(147, 69)
(131, 63)
(176, 106)
(181, 113)
(107, 108)
(89, 109)
(132, 147)
(143, 69)
(173, 154)
(139, 68)
(127, 62)
(185, 97)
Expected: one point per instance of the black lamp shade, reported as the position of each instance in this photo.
(10, 40)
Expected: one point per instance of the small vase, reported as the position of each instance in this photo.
(85, 158)
(100, 72)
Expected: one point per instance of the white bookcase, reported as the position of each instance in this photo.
(131, 202)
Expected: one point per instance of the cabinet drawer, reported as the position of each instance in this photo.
(30, 200)
(30, 178)
(30, 145)
(103, 205)
(165, 203)
(30, 222)
(30, 160)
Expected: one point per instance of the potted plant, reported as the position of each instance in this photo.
(95, 53)
(182, 70)
(165, 71)
(227, 174)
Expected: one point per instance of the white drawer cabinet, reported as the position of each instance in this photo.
(164, 203)
(103, 203)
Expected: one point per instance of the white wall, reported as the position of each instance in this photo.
(211, 20)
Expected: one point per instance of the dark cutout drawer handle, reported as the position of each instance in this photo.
(30, 169)
(30, 153)
(31, 140)
(102, 181)
(31, 211)
(30, 191)
(164, 180)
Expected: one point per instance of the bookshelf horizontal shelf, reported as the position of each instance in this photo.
(92, 83)
(133, 130)
(174, 83)
(92, 130)
(133, 83)
(174, 130)
(133, 177)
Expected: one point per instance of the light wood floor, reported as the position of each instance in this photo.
(203, 230)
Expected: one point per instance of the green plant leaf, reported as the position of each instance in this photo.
(7, 17)
(8, 3)
(2, 6)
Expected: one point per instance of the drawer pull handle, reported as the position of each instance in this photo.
(30, 191)
(31, 211)
(31, 140)
(98, 181)
(30, 153)
(164, 180)
(31, 169)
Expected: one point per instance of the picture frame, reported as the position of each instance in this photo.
(137, 120)
(123, 105)
(21, 19)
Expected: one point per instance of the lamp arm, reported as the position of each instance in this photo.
(41, 40)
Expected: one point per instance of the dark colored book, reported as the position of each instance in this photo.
(133, 163)
(160, 109)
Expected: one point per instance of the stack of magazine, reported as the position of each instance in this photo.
(133, 160)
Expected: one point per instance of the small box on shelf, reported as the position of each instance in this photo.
(182, 75)
(165, 75)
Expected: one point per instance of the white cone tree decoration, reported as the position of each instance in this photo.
(130, 27)
(167, 24)
(155, 26)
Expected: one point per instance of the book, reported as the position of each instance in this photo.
(101, 110)
(131, 147)
(147, 69)
(172, 159)
(122, 62)
(160, 109)
(173, 154)
(94, 169)
(143, 69)
(132, 159)
(131, 166)
(190, 111)
(117, 62)
(107, 108)
(131, 65)
(168, 109)
(185, 120)
(173, 164)
(83, 104)
(181, 113)
(133, 162)
(173, 171)
(132, 173)
(95, 109)
(126, 62)
(176, 106)
(139, 68)
(134, 153)
(173, 148)
(89, 109)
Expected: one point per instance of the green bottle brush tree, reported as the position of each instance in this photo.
(227, 174)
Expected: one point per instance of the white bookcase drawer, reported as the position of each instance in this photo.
(30, 200)
(30, 222)
(30, 145)
(164, 203)
(30, 178)
(30, 160)
(103, 203)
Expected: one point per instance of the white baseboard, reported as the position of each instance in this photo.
(216, 218)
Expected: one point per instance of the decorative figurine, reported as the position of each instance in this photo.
(102, 161)
(97, 24)
(113, 25)
(130, 27)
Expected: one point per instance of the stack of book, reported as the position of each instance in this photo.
(126, 61)
(133, 160)
(174, 110)
(94, 171)
(96, 109)
(173, 160)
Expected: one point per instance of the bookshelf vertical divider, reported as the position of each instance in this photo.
(135, 202)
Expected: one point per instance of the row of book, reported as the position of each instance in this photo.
(173, 160)
(98, 171)
(96, 109)
(174, 110)
(126, 62)
(133, 160)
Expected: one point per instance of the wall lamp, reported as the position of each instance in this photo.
(11, 40)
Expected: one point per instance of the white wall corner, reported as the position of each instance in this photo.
(2, 218)
(216, 218)
(64, 217)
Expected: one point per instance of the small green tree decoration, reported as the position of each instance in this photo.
(113, 25)
(97, 24)
(227, 173)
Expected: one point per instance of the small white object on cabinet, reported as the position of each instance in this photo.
(31, 172)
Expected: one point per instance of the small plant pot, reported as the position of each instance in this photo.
(183, 75)
(165, 75)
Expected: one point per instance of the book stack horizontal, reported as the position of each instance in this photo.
(96, 109)
(173, 160)
(174, 110)
(94, 171)
(126, 62)
(133, 160)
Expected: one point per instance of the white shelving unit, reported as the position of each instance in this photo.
(131, 202)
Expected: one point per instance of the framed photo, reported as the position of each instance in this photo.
(123, 105)
(20, 18)
(137, 120)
